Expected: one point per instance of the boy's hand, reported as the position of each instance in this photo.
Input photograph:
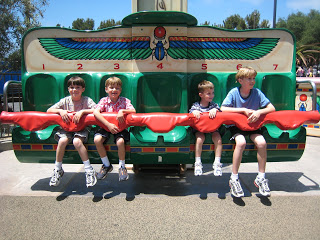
(213, 113)
(113, 128)
(196, 113)
(64, 115)
(120, 116)
(254, 116)
(77, 116)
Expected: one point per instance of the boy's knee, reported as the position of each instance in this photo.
(120, 141)
(63, 141)
(98, 139)
(77, 142)
(261, 144)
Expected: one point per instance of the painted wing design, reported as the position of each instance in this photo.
(220, 48)
(99, 48)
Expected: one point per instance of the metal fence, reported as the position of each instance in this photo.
(11, 98)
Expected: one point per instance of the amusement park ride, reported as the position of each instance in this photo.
(160, 56)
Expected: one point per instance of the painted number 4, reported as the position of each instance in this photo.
(160, 66)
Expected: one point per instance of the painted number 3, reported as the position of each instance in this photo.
(116, 66)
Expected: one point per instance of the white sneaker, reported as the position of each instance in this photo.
(217, 169)
(263, 186)
(91, 178)
(56, 177)
(235, 188)
(198, 169)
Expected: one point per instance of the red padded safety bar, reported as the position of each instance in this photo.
(163, 122)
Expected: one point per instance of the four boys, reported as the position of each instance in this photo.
(246, 99)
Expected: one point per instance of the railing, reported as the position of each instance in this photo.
(12, 101)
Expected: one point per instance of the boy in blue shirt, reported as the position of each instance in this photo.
(252, 102)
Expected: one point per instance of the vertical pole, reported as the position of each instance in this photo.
(274, 13)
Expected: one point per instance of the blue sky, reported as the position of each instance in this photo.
(65, 12)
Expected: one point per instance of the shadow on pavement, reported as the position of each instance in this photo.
(155, 184)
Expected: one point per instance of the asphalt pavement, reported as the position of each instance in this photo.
(159, 204)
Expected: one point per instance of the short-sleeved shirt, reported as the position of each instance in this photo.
(67, 104)
(197, 107)
(106, 105)
(254, 101)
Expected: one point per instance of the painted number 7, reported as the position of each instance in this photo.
(275, 66)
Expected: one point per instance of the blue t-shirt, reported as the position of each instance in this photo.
(254, 101)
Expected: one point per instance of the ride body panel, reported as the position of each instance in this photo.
(160, 58)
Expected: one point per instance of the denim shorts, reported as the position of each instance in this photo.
(234, 130)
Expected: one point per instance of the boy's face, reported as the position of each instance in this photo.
(113, 92)
(75, 91)
(247, 82)
(207, 95)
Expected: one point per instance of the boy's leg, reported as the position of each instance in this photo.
(106, 166)
(123, 174)
(234, 183)
(217, 166)
(261, 145)
(261, 182)
(98, 141)
(200, 137)
(91, 178)
(58, 171)
(238, 151)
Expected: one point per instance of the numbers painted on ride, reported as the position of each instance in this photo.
(116, 66)
(204, 66)
(160, 66)
(275, 66)
(80, 66)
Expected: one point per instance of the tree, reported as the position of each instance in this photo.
(17, 16)
(235, 22)
(108, 23)
(265, 24)
(82, 24)
(253, 19)
(307, 54)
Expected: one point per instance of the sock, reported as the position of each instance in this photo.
(234, 176)
(198, 159)
(105, 161)
(87, 165)
(261, 175)
(122, 163)
(58, 165)
(217, 160)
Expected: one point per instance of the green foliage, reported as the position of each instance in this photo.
(109, 23)
(82, 24)
(235, 22)
(17, 16)
(253, 19)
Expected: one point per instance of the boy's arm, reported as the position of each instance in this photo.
(63, 113)
(78, 115)
(112, 127)
(122, 112)
(255, 115)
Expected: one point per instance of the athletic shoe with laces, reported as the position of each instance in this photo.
(56, 176)
(104, 171)
(263, 186)
(123, 174)
(217, 169)
(91, 178)
(198, 169)
(235, 188)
